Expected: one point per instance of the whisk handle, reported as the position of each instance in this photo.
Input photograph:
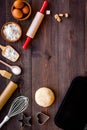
(4, 121)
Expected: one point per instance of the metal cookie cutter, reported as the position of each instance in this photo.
(25, 120)
(42, 118)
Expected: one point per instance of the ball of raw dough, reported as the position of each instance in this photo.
(44, 97)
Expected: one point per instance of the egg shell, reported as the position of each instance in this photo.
(18, 4)
(17, 13)
(25, 10)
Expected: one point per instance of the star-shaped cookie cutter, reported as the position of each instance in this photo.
(25, 120)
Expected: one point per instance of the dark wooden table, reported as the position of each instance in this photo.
(56, 55)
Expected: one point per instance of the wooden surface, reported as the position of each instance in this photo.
(56, 55)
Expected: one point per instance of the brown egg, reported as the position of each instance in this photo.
(25, 10)
(17, 13)
(18, 4)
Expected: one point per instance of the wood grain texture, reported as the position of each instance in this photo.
(56, 55)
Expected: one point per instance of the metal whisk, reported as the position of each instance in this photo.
(18, 106)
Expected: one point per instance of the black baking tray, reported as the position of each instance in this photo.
(72, 113)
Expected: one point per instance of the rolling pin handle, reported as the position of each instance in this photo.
(26, 43)
(43, 8)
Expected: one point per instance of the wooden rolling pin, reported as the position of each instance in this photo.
(7, 93)
(35, 24)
